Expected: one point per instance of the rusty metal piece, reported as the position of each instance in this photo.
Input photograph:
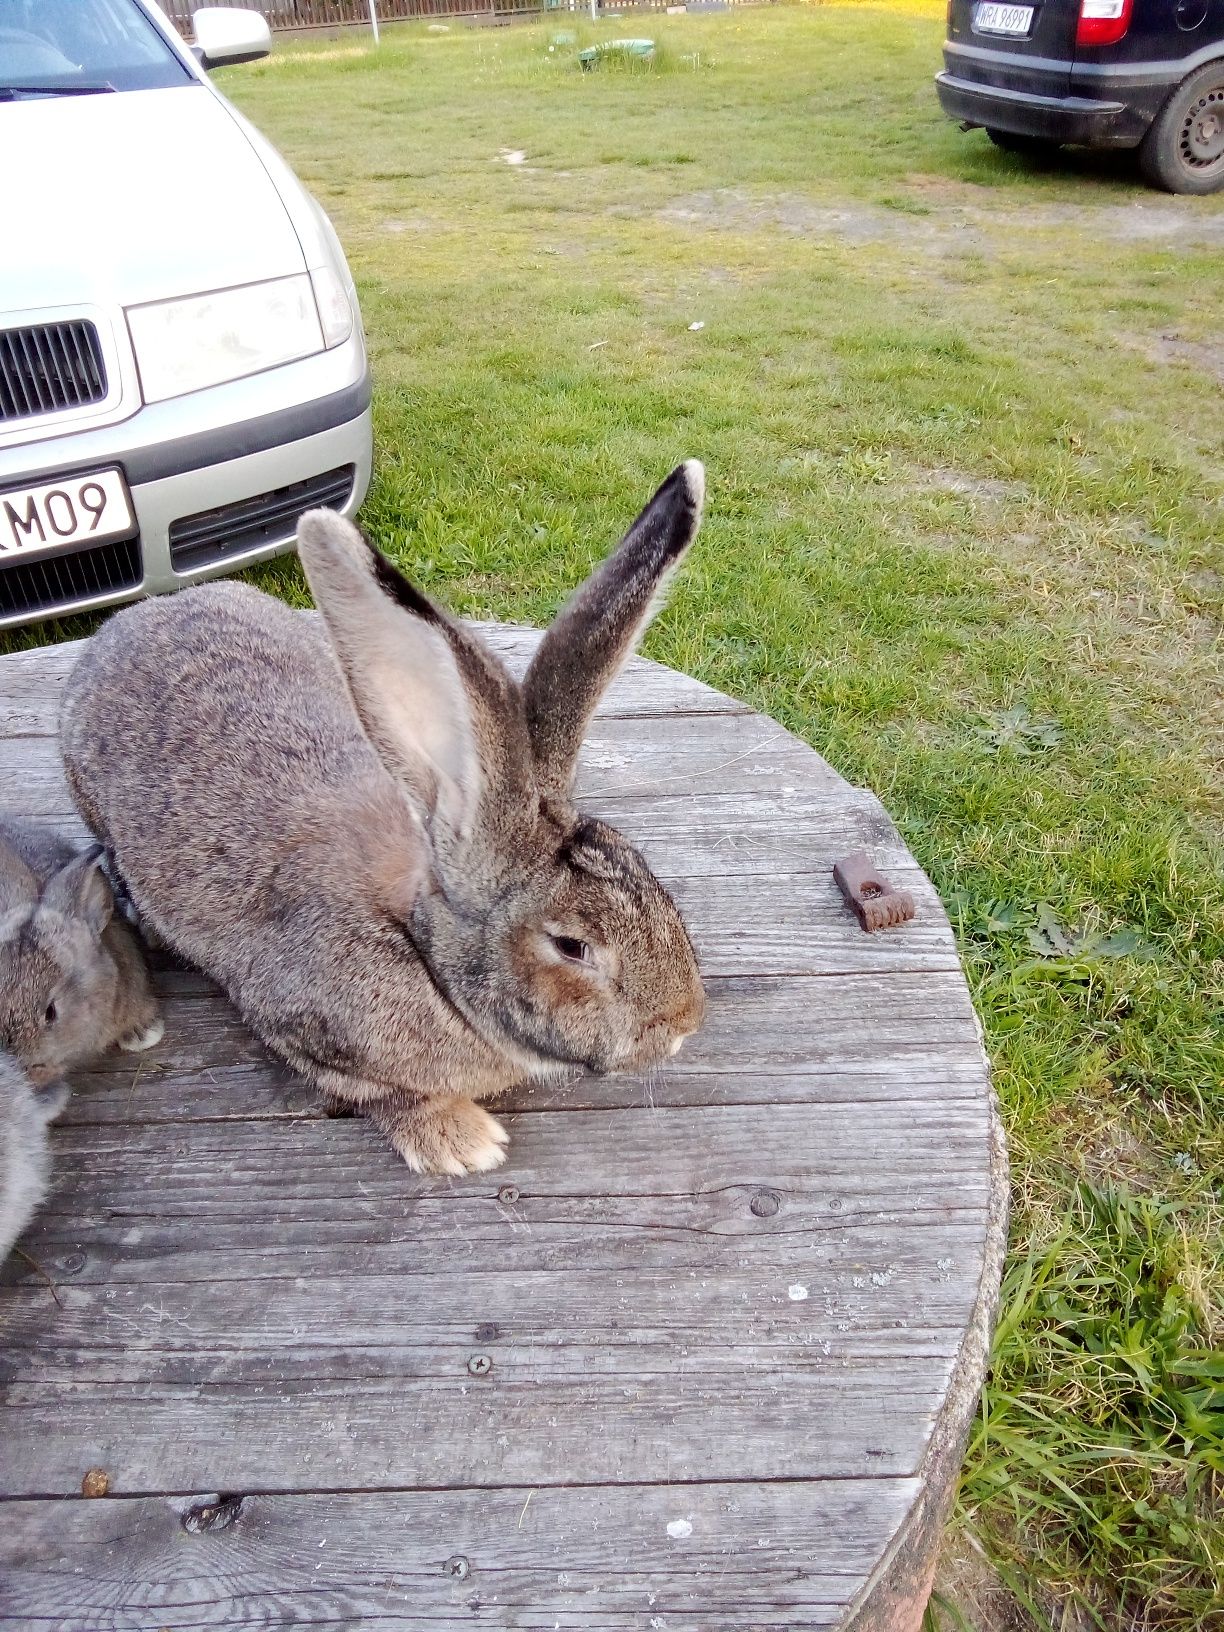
(875, 902)
(95, 1483)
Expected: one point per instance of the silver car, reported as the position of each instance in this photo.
(182, 367)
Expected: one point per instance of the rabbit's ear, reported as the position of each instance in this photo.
(18, 885)
(597, 630)
(81, 890)
(396, 657)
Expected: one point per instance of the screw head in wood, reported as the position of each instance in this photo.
(458, 1567)
(764, 1203)
(72, 1263)
(508, 1194)
(479, 1365)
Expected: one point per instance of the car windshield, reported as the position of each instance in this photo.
(73, 47)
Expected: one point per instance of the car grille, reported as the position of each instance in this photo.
(59, 582)
(48, 367)
(268, 518)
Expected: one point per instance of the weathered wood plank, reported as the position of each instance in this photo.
(748, 835)
(678, 758)
(860, 1040)
(798, 924)
(835, 1019)
(122, 1091)
(33, 681)
(782, 1556)
(917, 1155)
(678, 754)
(774, 834)
(163, 1335)
(650, 1421)
(814, 1245)
(759, 1022)
(898, 1195)
(30, 694)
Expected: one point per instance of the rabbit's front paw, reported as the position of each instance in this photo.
(142, 1037)
(449, 1136)
(53, 1099)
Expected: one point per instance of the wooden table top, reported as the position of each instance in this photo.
(701, 1356)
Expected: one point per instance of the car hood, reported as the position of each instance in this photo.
(134, 196)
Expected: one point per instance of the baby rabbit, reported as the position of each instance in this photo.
(361, 827)
(72, 978)
(25, 1159)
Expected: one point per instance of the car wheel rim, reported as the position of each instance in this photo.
(1202, 133)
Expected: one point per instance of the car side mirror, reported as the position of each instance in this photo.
(227, 34)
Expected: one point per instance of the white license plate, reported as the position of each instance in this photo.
(991, 18)
(70, 510)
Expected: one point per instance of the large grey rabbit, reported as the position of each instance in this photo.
(25, 1156)
(73, 980)
(408, 910)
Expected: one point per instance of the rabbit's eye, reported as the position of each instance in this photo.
(51, 1013)
(570, 947)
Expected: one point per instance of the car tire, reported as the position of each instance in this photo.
(1029, 147)
(1183, 151)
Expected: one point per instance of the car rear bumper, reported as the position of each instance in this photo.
(1078, 119)
(206, 501)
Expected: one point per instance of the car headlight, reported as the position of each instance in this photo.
(185, 345)
(335, 308)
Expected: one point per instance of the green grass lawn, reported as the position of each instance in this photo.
(963, 434)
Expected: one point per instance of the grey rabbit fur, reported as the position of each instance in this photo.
(73, 980)
(362, 829)
(25, 1155)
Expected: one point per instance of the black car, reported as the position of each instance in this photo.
(1096, 73)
